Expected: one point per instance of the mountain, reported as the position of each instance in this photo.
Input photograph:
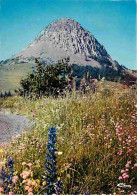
(62, 38)
(65, 38)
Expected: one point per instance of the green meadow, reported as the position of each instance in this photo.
(95, 141)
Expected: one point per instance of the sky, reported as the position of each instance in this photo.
(112, 22)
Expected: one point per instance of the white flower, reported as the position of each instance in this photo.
(59, 153)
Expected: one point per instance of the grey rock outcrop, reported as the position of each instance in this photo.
(64, 38)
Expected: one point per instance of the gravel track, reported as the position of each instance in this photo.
(12, 125)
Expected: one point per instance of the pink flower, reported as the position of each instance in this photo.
(69, 85)
(24, 132)
(1, 190)
(25, 174)
(127, 165)
(24, 163)
(129, 162)
(135, 165)
(30, 164)
(33, 183)
(92, 80)
(24, 177)
(29, 182)
(120, 178)
(27, 187)
(18, 136)
(15, 179)
(24, 181)
(69, 80)
(30, 190)
(126, 177)
(122, 171)
(127, 170)
(124, 87)
(124, 174)
(11, 193)
(30, 193)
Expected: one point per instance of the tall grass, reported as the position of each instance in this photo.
(96, 141)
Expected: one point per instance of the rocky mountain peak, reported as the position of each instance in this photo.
(69, 35)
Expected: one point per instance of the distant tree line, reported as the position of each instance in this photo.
(5, 94)
(109, 73)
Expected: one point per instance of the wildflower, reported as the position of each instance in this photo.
(29, 182)
(120, 178)
(122, 171)
(126, 177)
(27, 187)
(30, 193)
(127, 165)
(18, 136)
(51, 162)
(24, 163)
(69, 80)
(24, 181)
(24, 132)
(30, 164)
(135, 165)
(92, 80)
(10, 166)
(1, 190)
(124, 87)
(1, 151)
(13, 137)
(33, 183)
(30, 190)
(25, 174)
(129, 162)
(15, 178)
(11, 193)
(69, 85)
(59, 153)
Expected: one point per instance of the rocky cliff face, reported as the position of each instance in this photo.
(71, 37)
(64, 38)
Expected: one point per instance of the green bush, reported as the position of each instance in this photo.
(47, 81)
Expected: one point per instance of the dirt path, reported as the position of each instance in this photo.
(12, 125)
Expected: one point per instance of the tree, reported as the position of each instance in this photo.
(48, 80)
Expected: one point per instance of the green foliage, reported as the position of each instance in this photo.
(48, 80)
(109, 73)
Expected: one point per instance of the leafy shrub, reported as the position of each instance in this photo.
(47, 81)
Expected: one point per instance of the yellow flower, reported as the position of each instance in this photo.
(68, 175)
(44, 183)
(1, 151)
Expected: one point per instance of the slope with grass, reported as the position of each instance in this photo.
(96, 140)
(11, 74)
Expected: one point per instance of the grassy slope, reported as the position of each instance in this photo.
(10, 75)
(86, 134)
